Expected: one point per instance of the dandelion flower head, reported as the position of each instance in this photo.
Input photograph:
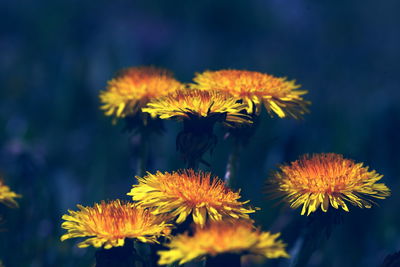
(324, 180)
(190, 103)
(279, 96)
(186, 193)
(108, 224)
(239, 237)
(127, 93)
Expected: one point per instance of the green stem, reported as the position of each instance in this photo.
(124, 256)
(297, 253)
(141, 150)
(231, 260)
(316, 231)
(193, 164)
(154, 248)
(232, 165)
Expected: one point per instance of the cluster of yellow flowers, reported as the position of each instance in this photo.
(163, 202)
(230, 92)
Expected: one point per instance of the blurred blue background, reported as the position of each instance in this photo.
(57, 149)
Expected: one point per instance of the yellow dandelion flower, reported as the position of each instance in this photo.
(188, 104)
(278, 95)
(188, 192)
(327, 179)
(134, 88)
(108, 224)
(199, 111)
(217, 238)
(7, 197)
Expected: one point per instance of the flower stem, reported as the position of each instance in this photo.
(195, 139)
(318, 229)
(140, 150)
(124, 256)
(193, 164)
(154, 248)
(296, 253)
(232, 165)
(231, 260)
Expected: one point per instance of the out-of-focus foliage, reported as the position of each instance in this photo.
(57, 149)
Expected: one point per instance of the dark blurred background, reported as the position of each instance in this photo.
(57, 149)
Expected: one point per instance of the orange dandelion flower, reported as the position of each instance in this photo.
(108, 224)
(188, 104)
(278, 95)
(327, 179)
(7, 197)
(188, 192)
(239, 237)
(134, 88)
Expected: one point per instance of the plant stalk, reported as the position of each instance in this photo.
(231, 260)
(124, 256)
(232, 165)
(140, 150)
(316, 231)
